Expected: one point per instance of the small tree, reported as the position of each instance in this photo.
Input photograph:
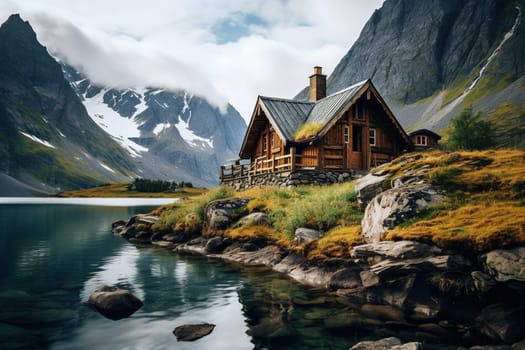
(470, 131)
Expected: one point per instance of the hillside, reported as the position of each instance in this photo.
(483, 208)
(432, 59)
(48, 141)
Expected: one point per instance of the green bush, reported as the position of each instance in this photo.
(469, 131)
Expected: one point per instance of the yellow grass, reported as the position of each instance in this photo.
(336, 243)
(253, 232)
(474, 227)
(121, 191)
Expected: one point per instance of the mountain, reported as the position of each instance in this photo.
(59, 131)
(47, 140)
(169, 134)
(430, 59)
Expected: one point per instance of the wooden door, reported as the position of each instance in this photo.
(356, 148)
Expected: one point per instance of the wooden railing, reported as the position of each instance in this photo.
(262, 165)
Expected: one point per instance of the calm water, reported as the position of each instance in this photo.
(54, 256)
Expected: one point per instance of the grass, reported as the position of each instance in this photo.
(188, 215)
(486, 200)
(336, 243)
(317, 207)
(307, 130)
(121, 191)
(484, 209)
(472, 227)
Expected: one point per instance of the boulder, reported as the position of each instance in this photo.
(345, 278)
(191, 332)
(114, 303)
(253, 219)
(369, 186)
(391, 343)
(118, 223)
(393, 207)
(505, 264)
(375, 252)
(305, 235)
(216, 245)
(388, 268)
(482, 282)
(368, 278)
(222, 212)
(504, 323)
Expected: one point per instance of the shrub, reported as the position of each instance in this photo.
(470, 131)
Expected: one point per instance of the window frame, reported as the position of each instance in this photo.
(372, 135)
(421, 140)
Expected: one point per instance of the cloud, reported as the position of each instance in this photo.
(221, 49)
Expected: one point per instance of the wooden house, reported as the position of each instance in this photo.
(352, 129)
(424, 138)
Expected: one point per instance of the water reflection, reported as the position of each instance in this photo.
(116, 270)
(175, 292)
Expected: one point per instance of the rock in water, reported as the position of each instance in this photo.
(191, 332)
(114, 303)
(386, 344)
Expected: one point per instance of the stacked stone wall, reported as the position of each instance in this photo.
(290, 179)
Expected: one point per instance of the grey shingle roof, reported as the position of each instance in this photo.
(329, 107)
(287, 115)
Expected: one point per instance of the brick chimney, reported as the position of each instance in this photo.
(317, 84)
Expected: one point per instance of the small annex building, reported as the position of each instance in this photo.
(424, 138)
(324, 140)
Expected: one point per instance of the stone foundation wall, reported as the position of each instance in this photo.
(291, 178)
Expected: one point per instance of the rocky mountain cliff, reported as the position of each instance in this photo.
(431, 59)
(170, 134)
(47, 140)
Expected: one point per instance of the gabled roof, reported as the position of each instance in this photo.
(425, 132)
(286, 116)
(329, 107)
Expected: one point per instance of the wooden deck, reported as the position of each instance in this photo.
(262, 165)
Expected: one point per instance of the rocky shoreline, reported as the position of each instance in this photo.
(468, 300)
(411, 290)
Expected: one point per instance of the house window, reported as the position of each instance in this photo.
(346, 135)
(372, 137)
(264, 143)
(272, 140)
(421, 140)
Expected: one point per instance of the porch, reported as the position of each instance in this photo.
(264, 165)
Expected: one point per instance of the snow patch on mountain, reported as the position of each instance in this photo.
(106, 167)
(120, 128)
(38, 140)
(142, 106)
(189, 136)
(161, 127)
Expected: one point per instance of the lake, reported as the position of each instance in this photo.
(54, 254)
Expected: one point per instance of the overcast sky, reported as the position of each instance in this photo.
(225, 50)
